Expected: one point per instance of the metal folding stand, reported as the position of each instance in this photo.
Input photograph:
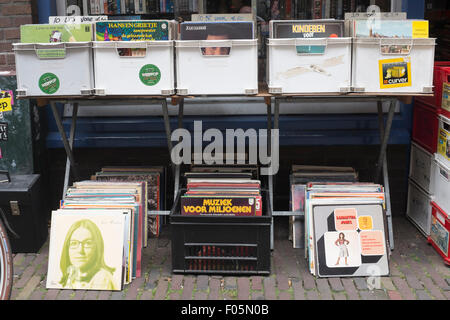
(382, 160)
(68, 143)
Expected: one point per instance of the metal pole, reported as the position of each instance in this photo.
(71, 138)
(177, 167)
(63, 137)
(386, 181)
(385, 138)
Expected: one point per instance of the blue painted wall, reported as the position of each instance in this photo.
(324, 129)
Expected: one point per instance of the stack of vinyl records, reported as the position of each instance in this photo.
(345, 229)
(300, 176)
(154, 178)
(222, 191)
(97, 236)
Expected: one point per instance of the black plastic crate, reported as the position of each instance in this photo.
(221, 244)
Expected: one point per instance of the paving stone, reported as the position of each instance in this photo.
(79, 294)
(133, 288)
(202, 282)
(51, 294)
(299, 291)
(214, 289)
(177, 282)
(284, 295)
(360, 283)
(91, 295)
(117, 295)
(394, 295)
(432, 288)
(152, 280)
(386, 282)
(350, 289)
(243, 285)
(423, 295)
(256, 295)
(339, 296)
(269, 288)
(65, 295)
(104, 295)
(29, 287)
(230, 283)
(312, 295)
(199, 295)
(336, 284)
(188, 288)
(161, 290)
(324, 289)
(175, 296)
(282, 282)
(256, 283)
(403, 288)
(36, 295)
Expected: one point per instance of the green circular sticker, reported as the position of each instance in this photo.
(150, 74)
(49, 83)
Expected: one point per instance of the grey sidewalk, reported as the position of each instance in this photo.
(417, 273)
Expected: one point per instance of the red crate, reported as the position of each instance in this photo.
(441, 74)
(425, 126)
(440, 232)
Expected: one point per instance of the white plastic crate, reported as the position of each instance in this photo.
(418, 208)
(233, 73)
(443, 149)
(54, 69)
(326, 72)
(421, 168)
(393, 65)
(442, 181)
(149, 73)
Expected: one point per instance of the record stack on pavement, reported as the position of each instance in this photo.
(222, 191)
(97, 236)
(300, 176)
(345, 227)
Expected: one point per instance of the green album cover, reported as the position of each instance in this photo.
(48, 33)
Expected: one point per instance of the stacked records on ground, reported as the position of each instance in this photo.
(222, 191)
(97, 236)
(299, 177)
(345, 229)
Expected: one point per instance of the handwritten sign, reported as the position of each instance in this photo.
(75, 19)
(222, 17)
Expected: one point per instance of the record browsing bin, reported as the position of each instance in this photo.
(222, 244)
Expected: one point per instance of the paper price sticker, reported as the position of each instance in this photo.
(5, 104)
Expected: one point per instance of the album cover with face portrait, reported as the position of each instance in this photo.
(86, 249)
(216, 30)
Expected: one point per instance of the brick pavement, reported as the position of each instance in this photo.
(417, 273)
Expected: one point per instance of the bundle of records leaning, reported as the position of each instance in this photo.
(222, 191)
(299, 177)
(345, 231)
(97, 236)
(154, 179)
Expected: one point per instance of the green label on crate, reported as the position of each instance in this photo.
(150, 74)
(49, 83)
(51, 53)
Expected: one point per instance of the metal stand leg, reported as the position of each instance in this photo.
(385, 138)
(385, 170)
(269, 152)
(180, 125)
(71, 138)
(67, 147)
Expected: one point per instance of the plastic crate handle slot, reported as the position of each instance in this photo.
(396, 46)
(50, 51)
(131, 49)
(306, 47)
(215, 48)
